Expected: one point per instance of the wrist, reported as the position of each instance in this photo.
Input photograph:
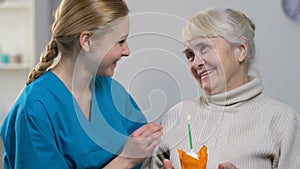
(125, 162)
(119, 162)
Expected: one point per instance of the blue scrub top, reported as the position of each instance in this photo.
(47, 129)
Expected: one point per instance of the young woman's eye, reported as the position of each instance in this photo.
(122, 41)
(190, 55)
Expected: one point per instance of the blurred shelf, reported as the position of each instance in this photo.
(14, 66)
(17, 33)
(13, 5)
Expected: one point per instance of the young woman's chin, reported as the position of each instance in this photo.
(108, 72)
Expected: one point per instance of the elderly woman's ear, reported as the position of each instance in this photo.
(243, 50)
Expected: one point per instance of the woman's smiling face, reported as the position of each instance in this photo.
(106, 51)
(214, 63)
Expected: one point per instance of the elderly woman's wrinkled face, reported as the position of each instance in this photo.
(215, 64)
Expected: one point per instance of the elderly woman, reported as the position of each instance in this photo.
(240, 126)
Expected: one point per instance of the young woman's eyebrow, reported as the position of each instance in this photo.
(124, 37)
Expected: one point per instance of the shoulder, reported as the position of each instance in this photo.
(28, 108)
(45, 88)
(42, 95)
(275, 107)
(33, 96)
(280, 116)
(284, 120)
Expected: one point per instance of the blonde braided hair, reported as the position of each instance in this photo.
(72, 17)
(46, 61)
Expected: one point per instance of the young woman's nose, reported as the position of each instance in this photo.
(125, 49)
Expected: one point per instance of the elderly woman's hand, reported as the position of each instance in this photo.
(167, 164)
(227, 165)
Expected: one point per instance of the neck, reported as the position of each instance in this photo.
(235, 83)
(244, 92)
(76, 78)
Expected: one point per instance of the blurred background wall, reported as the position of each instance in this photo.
(156, 73)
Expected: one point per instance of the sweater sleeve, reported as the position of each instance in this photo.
(290, 144)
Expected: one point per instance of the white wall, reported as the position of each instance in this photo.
(156, 72)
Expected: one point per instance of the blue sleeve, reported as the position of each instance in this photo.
(35, 143)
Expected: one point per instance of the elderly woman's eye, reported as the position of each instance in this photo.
(190, 55)
(204, 48)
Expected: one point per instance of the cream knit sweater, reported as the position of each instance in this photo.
(241, 126)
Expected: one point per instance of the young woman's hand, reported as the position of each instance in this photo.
(141, 143)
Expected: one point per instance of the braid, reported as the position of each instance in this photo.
(46, 61)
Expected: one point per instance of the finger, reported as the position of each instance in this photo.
(167, 164)
(156, 134)
(154, 138)
(151, 129)
(147, 130)
(141, 142)
(149, 142)
(144, 128)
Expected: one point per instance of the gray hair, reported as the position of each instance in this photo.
(230, 24)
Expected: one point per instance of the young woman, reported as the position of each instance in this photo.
(72, 114)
